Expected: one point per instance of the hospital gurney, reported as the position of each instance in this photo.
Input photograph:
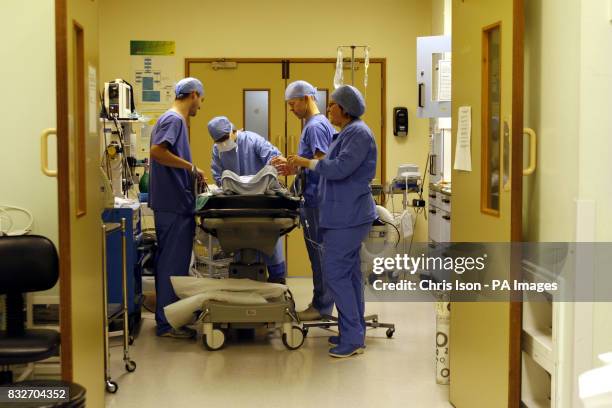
(246, 225)
(234, 303)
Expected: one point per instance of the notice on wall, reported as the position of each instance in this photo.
(144, 128)
(92, 92)
(153, 74)
(463, 152)
(444, 80)
(165, 48)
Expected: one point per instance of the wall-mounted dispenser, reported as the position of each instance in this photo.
(400, 121)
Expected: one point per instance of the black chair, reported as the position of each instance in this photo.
(28, 263)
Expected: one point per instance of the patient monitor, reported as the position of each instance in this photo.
(118, 99)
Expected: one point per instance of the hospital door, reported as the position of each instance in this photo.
(80, 199)
(487, 77)
(321, 75)
(252, 93)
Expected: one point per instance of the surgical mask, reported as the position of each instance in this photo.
(226, 145)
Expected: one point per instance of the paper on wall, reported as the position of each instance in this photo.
(148, 120)
(92, 99)
(444, 80)
(463, 153)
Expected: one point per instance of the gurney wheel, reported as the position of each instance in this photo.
(305, 331)
(295, 340)
(111, 387)
(130, 366)
(214, 342)
(390, 332)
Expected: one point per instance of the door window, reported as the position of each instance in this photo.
(491, 146)
(257, 111)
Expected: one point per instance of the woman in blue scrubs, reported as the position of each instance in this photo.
(347, 210)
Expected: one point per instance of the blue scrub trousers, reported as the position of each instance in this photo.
(175, 234)
(277, 268)
(342, 270)
(321, 297)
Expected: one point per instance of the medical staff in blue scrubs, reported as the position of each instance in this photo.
(314, 142)
(171, 197)
(347, 211)
(245, 153)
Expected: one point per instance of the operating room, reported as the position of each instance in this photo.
(273, 203)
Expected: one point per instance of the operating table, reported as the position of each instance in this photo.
(248, 225)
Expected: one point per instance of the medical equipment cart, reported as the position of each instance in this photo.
(114, 312)
(133, 238)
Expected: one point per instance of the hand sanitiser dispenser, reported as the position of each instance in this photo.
(400, 121)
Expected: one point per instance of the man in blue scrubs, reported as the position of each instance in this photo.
(245, 153)
(314, 142)
(171, 197)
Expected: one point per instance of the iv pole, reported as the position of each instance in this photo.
(366, 50)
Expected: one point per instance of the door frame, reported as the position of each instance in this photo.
(63, 186)
(516, 206)
(382, 61)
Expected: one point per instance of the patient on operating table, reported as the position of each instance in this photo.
(245, 153)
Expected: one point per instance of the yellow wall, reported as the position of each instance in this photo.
(595, 131)
(568, 88)
(551, 109)
(28, 107)
(441, 17)
(595, 143)
(549, 210)
(243, 28)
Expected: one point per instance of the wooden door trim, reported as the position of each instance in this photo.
(63, 172)
(79, 130)
(517, 122)
(485, 183)
(516, 210)
(189, 61)
(383, 69)
(383, 120)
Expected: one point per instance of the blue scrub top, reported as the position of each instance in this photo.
(345, 198)
(316, 135)
(252, 154)
(170, 188)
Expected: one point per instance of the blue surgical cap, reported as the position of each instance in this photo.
(219, 127)
(299, 89)
(350, 99)
(187, 85)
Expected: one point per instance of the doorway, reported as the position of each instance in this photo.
(250, 92)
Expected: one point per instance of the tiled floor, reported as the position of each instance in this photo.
(397, 372)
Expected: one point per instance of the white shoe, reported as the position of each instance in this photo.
(309, 314)
(183, 333)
